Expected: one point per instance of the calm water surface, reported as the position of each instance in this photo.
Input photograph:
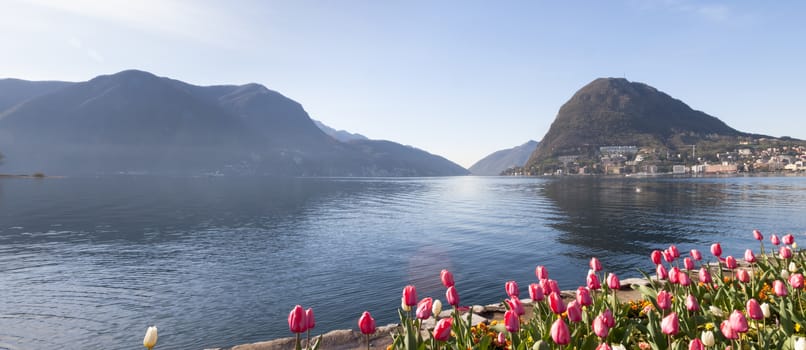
(91, 262)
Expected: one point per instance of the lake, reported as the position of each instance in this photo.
(216, 261)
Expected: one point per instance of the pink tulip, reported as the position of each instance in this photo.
(691, 303)
(688, 264)
(730, 262)
(536, 292)
(545, 286)
(774, 240)
(738, 322)
(511, 321)
(555, 288)
(661, 272)
(796, 281)
(610, 321)
(310, 319)
(559, 332)
(674, 275)
(749, 256)
(541, 272)
(512, 289)
(788, 239)
(757, 235)
(667, 255)
(674, 251)
(410, 295)
(754, 310)
(704, 275)
(584, 296)
(556, 303)
(696, 344)
(613, 282)
(424, 308)
(743, 276)
(447, 278)
(604, 346)
(664, 300)
(683, 279)
(696, 255)
(716, 250)
(655, 256)
(442, 331)
(670, 325)
(785, 252)
(502, 339)
(367, 324)
(296, 320)
(574, 311)
(779, 288)
(515, 304)
(593, 282)
(452, 296)
(600, 327)
(728, 331)
(595, 264)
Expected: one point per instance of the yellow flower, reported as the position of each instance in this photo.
(709, 326)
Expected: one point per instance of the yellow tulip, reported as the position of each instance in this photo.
(151, 337)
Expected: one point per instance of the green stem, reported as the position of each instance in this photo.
(367, 341)
(297, 345)
(308, 340)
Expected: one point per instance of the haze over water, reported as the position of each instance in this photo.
(91, 262)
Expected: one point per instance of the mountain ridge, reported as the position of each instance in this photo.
(495, 163)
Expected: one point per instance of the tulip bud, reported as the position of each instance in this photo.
(447, 278)
(743, 276)
(800, 344)
(424, 308)
(728, 331)
(512, 289)
(738, 322)
(788, 239)
(436, 308)
(696, 255)
(661, 272)
(688, 264)
(150, 339)
(600, 327)
(779, 288)
(667, 255)
(785, 252)
(452, 296)
(704, 275)
(792, 267)
(695, 344)
(555, 287)
(595, 265)
(716, 250)
(309, 317)
(655, 256)
(593, 282)
(774, 240)
(691, 303)
(511, 321)
(574, 311)
(730, 262)
(749, 256)
(556, 303)
(664, 300)
(708, 338)
(674, 274)
(765, 310)
(608, 317)
(674, 251)
(535, 292)
(366, 323)
(613, 282)
(584, 296)
(757, 235)
(442, 331)
(559, 332)
(669, 324)
(541, 272)
(410, 296)
(515, 304)
(296, 320)
(796, 281)
(754, 310)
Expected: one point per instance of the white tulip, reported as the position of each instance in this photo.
(403, 305)
(436, 308)
(765, 309)
(707, 338)
(800, 344)
(785, 274)
(151, 337)
(716, 311)
(792, 267)
(617, 347)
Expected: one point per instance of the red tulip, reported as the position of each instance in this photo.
(613, 282)
(515, 304)
(695, 254)
(727, 331)
(704, 275)
(584, 296)
(749, 256)
(785, 252)
(536, 292)
(730, 262)
(311, 320)
(555, 288)
(738, 322)
(788, 239)
(610, 321)
(688, 264)
(556, 303)
(559, 332)
(670, 325)
(743, 276)
(595, 265)
(716, 250)
(511, 288)
(442, 331)
(779, 288)
(674, 251)
(541, 272)
(424, 308)
(366, 323)
(545, 285)
(661, 272)
(655, 256)
(674, 275)
(667, 255)
(754, 310)
(796, 281)
(664, 300)
(593, 282)
(574, 311)
(774, 240)
(696, 344)
(511, 321)
(296, 320)
(410, 295)
(691, 303)
(757, 235)
(683, 279)
(600, 327)
(447, 278)
(452, 296)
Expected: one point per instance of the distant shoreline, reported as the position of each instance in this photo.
(26, 176)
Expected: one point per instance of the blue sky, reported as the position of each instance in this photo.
(457, 78)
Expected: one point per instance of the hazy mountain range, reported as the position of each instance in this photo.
(504, 159)
(134, 121)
